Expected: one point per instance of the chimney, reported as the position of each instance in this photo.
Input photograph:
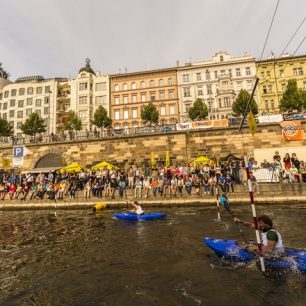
(177, 63)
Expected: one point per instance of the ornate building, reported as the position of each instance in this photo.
(130, 91)
(216, 82)
(89, 90)
(274, 74)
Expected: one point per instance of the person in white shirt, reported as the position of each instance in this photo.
(137, 208)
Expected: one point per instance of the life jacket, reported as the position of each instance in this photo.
(139, 210)
(279, 247)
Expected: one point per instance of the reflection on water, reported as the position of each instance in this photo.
(82, 258)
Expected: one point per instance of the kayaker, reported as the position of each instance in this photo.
(137, 208)
(271, 239)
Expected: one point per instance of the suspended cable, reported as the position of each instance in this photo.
(263, 50)
(299, 46)
(292, 37)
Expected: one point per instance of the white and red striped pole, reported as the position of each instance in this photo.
(217, 197)
(257, 232)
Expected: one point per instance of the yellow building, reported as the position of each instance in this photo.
(273, 74)
(129, 92)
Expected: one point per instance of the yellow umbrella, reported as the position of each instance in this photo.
(103, 164)
(167, 161)
(73, 167)
(153, 162)
(201, 160)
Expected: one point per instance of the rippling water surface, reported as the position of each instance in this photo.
(86, 258)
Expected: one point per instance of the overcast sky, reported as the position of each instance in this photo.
(52, 38)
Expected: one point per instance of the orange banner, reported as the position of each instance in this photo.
(291, 130)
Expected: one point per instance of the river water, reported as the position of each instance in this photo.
(86, 258)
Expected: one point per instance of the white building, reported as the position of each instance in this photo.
(89, 90)
(216, 82)
(27, 95)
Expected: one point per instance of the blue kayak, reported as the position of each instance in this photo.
(134, 217)
(294, 259)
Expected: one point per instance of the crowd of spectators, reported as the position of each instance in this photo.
(202, 180)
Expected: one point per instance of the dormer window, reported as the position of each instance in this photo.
(221, 58)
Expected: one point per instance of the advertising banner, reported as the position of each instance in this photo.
(270, 118)
(291, 130)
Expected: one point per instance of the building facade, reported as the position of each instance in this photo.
(273, 77)
(88, 91)
(27, 95)
(216, 82)
(129, 92)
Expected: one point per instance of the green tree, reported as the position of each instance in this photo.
(241, 102)
(73, 123)
(33, 125)
(6, 129)
(198, 111)
(293, 98)
(149, 114)
(100, 118)
(3, 73)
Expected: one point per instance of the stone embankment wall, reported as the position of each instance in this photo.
(184, 146)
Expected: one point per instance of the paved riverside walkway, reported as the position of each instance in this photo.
(269, 194)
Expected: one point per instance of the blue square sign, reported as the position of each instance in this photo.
(18, 151)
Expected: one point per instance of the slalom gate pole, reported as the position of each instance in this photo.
(255, 221)
(217, 197)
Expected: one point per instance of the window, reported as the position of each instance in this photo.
(134, 98)
(21, 91)
(133, 85)
(13, 93)
(268, 74)
(116, 87)
(161, 82)
(125, 99)
(46, 110)
(83, 75)
(266, 104)
(272, 104)
(198, 76)
(172, 110)
(125, 87)
(250, 85)
(4, 116)
(38, 102)
(221, 58)
(186, 92)
(143, 84)
(19, 124)
(298, 71)
(170, 81)
(11, 123)
(29, 111)
(284, 86)
(100, 99)
(162, 110)
(230, 72)
(171, 94)
(225, 83)
(47, 89)
(143, 98)
(207, 75)
(117, 115)
(38, 112)
(82, 100)
(30, 91)
(152, 96)
(1, 96)
(238, 73)
(38, 90)
(227, 102)
(200, 91)
(269, 88)
(29, 101)
(4, 105)
(161, 95)
(216, 74)
(20, 114)
(248, 71)
(222, 72)
(151, 83)
(187, 107)
(281, 73)
(83, 114)
(6, 94)
(100, 86)
(20, 103)
(134, 113)
(11, 114)
(12, 103)
(209, 89)
(185, 77)
(116, 100)
(83, 86)
(125, 114)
